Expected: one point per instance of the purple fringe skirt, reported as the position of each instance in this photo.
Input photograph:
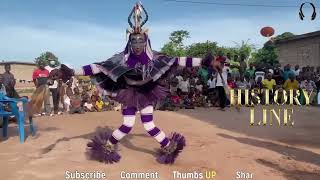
(140, 97)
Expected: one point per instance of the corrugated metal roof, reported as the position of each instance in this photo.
(298, 37)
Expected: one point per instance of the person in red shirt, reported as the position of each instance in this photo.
(224, 59)
(40, 78)
(231, 82)
(221, 59)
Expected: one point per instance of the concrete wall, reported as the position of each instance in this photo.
(21, 71)
(303, 52)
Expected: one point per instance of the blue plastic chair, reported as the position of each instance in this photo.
(17, 109)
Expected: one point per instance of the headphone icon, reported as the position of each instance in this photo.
(314, 14)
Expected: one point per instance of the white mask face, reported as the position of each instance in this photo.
(138, 43)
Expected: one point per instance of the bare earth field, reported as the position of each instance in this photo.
(219, 141)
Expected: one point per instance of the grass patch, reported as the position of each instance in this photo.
(21, 91)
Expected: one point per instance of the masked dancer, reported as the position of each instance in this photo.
(132, 79)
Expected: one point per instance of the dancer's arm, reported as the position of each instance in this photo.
(88, 70)
(188, 61)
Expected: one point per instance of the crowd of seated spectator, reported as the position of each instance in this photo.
(196, 87)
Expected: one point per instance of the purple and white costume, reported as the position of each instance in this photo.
(131, 78)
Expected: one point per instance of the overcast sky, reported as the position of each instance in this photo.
(81, 31)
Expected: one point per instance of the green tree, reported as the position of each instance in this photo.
(284, 35)
(244, 48)
(268, 56)
(227, 50)
(175, 46)
(46, 58)
(171, 49)
(201, 49)
(177, 37)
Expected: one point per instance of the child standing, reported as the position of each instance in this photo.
(62, 92)
(67, 96)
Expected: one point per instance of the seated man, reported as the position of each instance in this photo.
(257, 87)
(310, 87)
(200, 101)
(107, 103)
(167, 104)
(176, 100)
(259, 74)
(243, 85)
(184, 85)
(269, 84)
(88, 106)
(291, 83)
(189, 101)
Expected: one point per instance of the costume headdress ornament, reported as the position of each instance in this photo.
(136, 15)
(145, 59)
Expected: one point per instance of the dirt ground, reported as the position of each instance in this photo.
(217, 141)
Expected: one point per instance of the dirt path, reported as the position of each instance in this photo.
(219, 141)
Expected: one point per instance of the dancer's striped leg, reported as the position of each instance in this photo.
(103, 146)
(170, 147)
(148, 124)
(129, 115)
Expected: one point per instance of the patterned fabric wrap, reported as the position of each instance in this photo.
(111, 80)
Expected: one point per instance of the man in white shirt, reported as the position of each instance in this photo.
(222, 76)
(211, 82)
(296, 70)
(174, 85)
(260, 74)
(199, 86)
(54, 87)
(179, 77)
(271, 71)
(184, 85)
(310, 87)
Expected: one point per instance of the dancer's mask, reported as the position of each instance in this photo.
(138, 43)
(138, 49)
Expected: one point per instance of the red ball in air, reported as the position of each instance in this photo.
(267, 31)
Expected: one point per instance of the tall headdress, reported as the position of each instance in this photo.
(136, 16)
(136, 28)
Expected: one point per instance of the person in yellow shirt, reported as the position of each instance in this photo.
(291, 83)
(269, 83)
(99, 104)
